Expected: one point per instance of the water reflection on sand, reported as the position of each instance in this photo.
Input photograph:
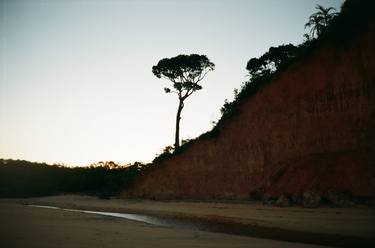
(134, 217)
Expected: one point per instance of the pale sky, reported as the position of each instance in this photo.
(76, 84)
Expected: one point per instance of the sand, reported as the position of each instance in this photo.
(25, 226)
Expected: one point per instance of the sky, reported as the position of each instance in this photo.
(76, 85)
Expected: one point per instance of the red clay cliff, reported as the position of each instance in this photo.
(311, 129)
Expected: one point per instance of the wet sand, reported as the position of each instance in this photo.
(25, 226)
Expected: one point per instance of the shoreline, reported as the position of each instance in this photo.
(23, 226)
(343, 227)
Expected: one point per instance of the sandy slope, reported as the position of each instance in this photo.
(23, 226)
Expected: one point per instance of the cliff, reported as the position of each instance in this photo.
(312, 128)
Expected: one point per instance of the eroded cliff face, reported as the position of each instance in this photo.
(311, 128)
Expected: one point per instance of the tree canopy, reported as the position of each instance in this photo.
(185, 71)
(270, 61)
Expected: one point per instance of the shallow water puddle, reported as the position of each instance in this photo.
(42, 206)
(134, 217)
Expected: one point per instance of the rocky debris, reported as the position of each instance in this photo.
(257, 194)
(295, 200)
(283, 201)
(311, 199)
(269, 200)
(338, 199)
(371, 203)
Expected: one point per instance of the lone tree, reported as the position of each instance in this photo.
(185, 72)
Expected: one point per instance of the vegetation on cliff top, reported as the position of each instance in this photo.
(335, 28)
(328, 27)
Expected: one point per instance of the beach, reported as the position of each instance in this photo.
(23, 225)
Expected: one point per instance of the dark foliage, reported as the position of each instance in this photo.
(19, 178)
(170, 151)
(183, 70)
(271, 61)
(320, 20)
(355, 16)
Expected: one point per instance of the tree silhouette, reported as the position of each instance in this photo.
(319, 20)
(270, 61)
(185, 72)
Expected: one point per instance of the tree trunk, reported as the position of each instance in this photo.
(178, 118)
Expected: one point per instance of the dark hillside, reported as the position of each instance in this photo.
(307, 131)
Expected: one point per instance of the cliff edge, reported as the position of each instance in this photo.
(311, 129)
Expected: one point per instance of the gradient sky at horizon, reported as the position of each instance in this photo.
(76, 85)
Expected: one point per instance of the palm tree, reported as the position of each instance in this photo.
(315, 25)
(307, 37)
(320, 20)
(324, 13)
